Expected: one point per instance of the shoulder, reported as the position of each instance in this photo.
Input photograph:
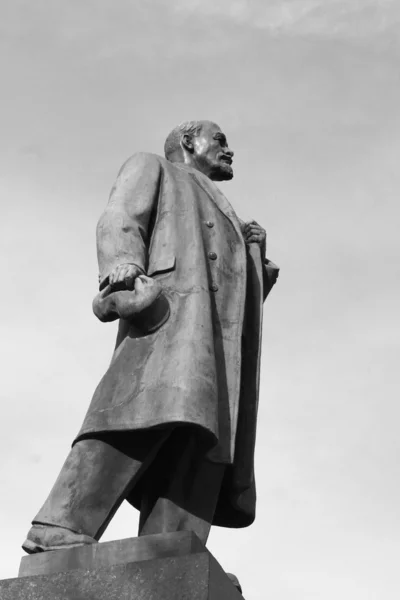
(142, 161)
(141, 171)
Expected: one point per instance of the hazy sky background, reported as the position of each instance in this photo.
(308, 93)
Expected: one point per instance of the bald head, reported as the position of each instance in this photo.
(202, 145)
(173, 142)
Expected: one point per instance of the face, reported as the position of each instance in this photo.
(211, 153)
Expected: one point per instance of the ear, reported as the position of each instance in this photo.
(186, 143)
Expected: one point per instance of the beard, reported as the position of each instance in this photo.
(220, 170)
(216, 167)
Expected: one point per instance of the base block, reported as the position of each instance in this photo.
(123, 570)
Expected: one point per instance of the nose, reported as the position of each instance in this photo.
(229, 152)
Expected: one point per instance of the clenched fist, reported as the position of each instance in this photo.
(253, 232)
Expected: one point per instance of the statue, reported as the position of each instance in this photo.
(171, 426)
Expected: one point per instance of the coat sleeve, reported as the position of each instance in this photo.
(123, 229)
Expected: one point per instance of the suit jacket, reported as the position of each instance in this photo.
(201, 367)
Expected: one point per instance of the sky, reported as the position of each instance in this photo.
(308, 94)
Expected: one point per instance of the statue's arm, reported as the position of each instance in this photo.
(123, 229)
(123, 234)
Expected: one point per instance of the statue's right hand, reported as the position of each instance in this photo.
(125, 273)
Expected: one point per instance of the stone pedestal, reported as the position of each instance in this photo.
(173, 566)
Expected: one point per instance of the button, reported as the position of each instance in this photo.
(214, 287)
(212, 256)
(209, 224)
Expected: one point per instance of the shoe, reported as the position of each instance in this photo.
(44, 538)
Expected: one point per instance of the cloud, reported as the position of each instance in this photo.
(354, 19)
(100, 30)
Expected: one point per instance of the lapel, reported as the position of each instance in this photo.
(215, 195)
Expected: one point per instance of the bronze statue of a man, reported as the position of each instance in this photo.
(171, 426)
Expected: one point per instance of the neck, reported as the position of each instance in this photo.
(187, 160)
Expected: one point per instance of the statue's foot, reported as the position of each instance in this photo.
(235, 582)
(43, 538)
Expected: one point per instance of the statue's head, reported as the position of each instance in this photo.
(202, 145)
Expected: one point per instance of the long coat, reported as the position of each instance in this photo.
(201, 367)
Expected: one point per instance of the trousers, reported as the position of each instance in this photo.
(179, 487)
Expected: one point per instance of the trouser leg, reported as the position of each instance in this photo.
(184, 491)
(95, 479)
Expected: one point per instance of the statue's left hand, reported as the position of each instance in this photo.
(253, 232)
